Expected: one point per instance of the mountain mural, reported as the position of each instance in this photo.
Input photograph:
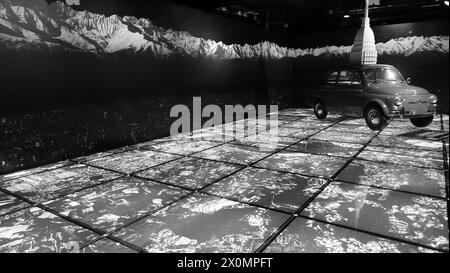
(31, 25)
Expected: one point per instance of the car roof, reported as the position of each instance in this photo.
(361, 67)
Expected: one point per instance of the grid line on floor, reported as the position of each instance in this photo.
(390, 189)
(306, 204)
(372, 233)
(145, 215)
(110, 235)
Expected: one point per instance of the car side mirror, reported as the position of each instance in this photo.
(408, 80)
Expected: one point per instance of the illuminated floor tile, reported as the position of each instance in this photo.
(9, 204)
(267, 141)
(52, 184)
(289, 118)
(132, 161)
(410, 217)
(82, 159)
(300, 124)
(183, 146)
(113, 204)
(122, 149)
(267, 188)
(351, 128)
(391, 176)
(242, 131)
(261, 124)
(329, 120)
(309, 236)
(214, 136)
(406, 142)
(324, 147)
(428, 135)
(34, 170)
(295, 132)
(239, 154)
(35, 230)
(157, 141)
(339, 136)
(204, 224)
(445, 122)
(296, 111)
(303, 163)
(193, 173)
(419, 133)
(354, 121)
(105, 246)
(149, 213)
(306, 124)
(419, 158)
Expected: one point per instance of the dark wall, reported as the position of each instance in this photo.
(383, 34)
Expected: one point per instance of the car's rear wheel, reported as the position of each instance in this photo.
(319, 110)
(375, 118)
(422, 122)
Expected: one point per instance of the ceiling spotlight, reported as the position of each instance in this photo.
(446, 3)
(286, 25)
(346, 16)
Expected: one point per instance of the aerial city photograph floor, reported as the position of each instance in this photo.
(326, 186)
(178, 127)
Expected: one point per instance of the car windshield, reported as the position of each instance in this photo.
(373, 75)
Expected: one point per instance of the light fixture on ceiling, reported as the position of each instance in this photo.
(346, 16)
(446, 3)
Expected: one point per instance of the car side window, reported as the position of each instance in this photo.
(332, 78)
(356, 79)
(349, 78)
(345, 78)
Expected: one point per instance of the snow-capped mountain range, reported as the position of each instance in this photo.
(31, 24)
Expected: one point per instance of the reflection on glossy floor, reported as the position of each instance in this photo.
(321, 186)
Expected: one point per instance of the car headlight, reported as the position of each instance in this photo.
(397, 100)
(433, 99)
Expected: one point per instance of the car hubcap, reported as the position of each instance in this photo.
(374, 117)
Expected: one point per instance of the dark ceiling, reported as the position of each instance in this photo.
(322, 14)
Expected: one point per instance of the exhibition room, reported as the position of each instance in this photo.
(224, 126)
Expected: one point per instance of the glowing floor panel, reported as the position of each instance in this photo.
(328, 185)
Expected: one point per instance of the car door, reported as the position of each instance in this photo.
(350, 90)
(328, 91)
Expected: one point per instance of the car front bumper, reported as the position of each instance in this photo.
(414, 110)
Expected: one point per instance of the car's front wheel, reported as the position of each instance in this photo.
(422, 122)
(319, 110)
(375, 118)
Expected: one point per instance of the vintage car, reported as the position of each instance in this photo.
(375, 92)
